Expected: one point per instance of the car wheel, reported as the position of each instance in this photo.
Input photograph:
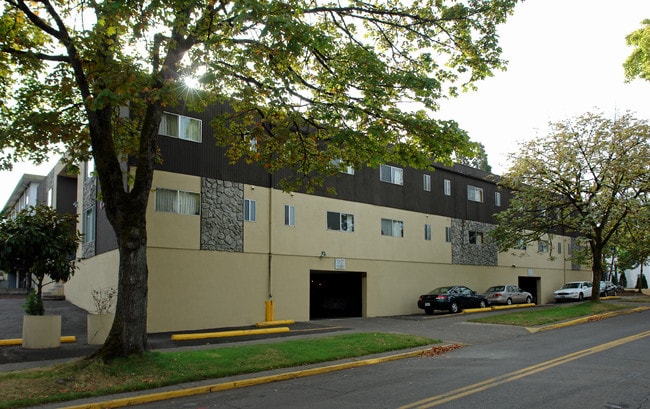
(428, 311)
(528, 300)
(483, 304)
(454, 308)
(581, 297)
(509, 301)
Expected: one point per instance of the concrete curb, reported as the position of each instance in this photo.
(582, 320)
(223, 386)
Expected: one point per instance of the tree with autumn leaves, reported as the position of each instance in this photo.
(308, 82)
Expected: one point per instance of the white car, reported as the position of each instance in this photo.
(575, 290)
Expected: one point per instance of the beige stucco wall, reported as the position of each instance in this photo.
(193, 289)
(95, 273)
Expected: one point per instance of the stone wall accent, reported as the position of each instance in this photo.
(89, 200)
(222, 215)
(462, 252)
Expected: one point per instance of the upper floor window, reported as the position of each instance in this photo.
(559, 247)
(391, 174)
(179, 126)
(393, 228)
(497, 199)
(177, 201)
(249, 210)
(89, 225)
(426, 182)
(448, 234)
(475, 237)
(340, 221)
(289, 215)
(90, 168)
(447, 187)
(347, 169)
(475, 194)
(427, 232)
(542, 246)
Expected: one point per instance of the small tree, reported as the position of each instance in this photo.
(641, 282)
(623, 280)
(42, 243)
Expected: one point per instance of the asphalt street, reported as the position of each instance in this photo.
(450, 328)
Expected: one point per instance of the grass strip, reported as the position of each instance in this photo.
(83, 378)
(549, 315)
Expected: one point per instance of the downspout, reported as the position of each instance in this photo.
(269, 302)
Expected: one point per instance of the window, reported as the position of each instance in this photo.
(177, 201)
(340, 221)
(90, 168)
(249, 210)
(89, 225)
(447, 187)
(347, 169)
(559, 247)
(542, 246)
(289, 215)
(179, 126)
(50, 197)
(427, 232)
(448, 234)
(474, 194)
(475, 237)
(393, 228)
(520, 245)
(426, 181)
(497, 199)
(391, 174)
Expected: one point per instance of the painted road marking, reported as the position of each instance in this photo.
(513, 376)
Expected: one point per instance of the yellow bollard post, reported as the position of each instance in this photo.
(269, 310)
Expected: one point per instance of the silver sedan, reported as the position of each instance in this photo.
(507, 294)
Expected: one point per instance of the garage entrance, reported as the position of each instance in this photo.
(335, 294)
(530, 284)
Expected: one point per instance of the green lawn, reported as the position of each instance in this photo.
(83, 378)
(550, 315)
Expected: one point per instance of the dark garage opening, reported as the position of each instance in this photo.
(335, 295)
(530, 284)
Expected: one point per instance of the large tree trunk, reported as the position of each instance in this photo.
(128, 335)
(597, 271)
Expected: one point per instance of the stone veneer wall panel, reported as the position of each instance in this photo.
(222, 215)
(462, 252)
(89, 200)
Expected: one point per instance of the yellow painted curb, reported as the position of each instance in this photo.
(471, 310)
(508, 307)
(274, 323)
(582, 320)
(156, 397)
(19, 341)
(223, 334)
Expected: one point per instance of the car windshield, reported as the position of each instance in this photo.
(496, 288)
(571, 285)
(440, 290)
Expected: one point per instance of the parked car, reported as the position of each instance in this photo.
(607, 288)
(575, 290)
(451, 298)
(507, 294)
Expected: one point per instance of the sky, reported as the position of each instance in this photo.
(565, 59)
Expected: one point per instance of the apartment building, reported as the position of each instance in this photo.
(227, 247)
